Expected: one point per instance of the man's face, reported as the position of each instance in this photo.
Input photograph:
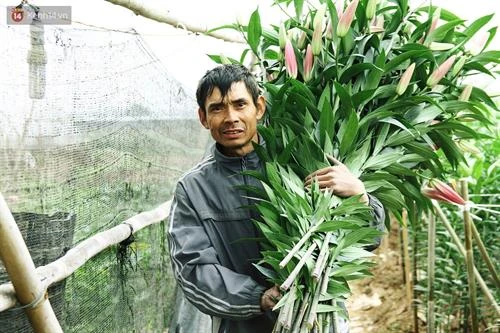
(232, 121)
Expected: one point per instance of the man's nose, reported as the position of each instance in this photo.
(232, 115)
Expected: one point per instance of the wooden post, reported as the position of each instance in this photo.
(487, 293)
(430, 271)
(21, 271)
(469, 258)
(406, 253)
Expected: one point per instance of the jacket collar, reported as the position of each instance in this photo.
(248, 162)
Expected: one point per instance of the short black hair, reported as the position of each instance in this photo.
(223, 77)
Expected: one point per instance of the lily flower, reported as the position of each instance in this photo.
(405, 80)
(458, 66)
(440, 72)
(317, 40)
(465, 95)
(308, 63)
(346, 19)
(282, 36)
(438, 190)
(290, 59)
(371, 8)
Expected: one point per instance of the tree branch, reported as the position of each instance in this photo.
(163, 17)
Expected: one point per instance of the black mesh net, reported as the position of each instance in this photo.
(93, 131)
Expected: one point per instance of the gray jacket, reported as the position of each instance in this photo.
(212, 243)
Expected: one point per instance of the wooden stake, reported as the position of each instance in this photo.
(431, 257)
(406, 253)
(461, 249)
(469, 258)
(21, 271)
(485, 255)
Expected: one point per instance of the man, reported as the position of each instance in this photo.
(210, 233)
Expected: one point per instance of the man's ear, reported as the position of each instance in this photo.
(261, 107)
(202, 115)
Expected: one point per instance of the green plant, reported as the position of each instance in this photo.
(382, 91)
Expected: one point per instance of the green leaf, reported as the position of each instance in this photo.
(374, 76)
(405, 56)
(471, 30)
(347, 133)
(420, 114)
(439, 33)
(445, 14)
(348, 269)
(345, 99)
(361, 234)
(254, 31)
(354, 70)
(487, 57)
(382, 160)
(298, 7)
(269, 273)
(326, 124)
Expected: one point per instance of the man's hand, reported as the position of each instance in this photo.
(269, 298)
(338, 179)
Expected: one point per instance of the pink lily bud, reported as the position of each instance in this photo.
(301, 42)
(435, 20)
(308, 63)
(465, 95)
(317, 41)
(339, 6)
(346, 19)
(405, 80)
(477, 43)
(319, 18)
(438, 190)
(282, 36)
(329, 30)
(440, 72)
(290, 60)
(458, 66)
(371, 8)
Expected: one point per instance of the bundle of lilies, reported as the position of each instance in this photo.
(380, 87)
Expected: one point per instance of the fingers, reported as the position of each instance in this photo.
(333, 160)
(318, 173)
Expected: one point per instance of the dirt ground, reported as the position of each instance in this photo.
(379, 303)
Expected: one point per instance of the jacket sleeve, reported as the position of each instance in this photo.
(211, 287)
(377, 221)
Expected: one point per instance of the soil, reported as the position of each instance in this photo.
(379, 303)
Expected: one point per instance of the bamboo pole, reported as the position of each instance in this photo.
(406, 253)
(415, 269)
(431, 257)
(469, 258)
(461, 249)
(21, 270)
(484, 254)
(83, 252)
(162, 16)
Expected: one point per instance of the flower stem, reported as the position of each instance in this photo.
(297, 247)
(288, 282)
(322, 257)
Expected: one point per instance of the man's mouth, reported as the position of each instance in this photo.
(233, 131)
